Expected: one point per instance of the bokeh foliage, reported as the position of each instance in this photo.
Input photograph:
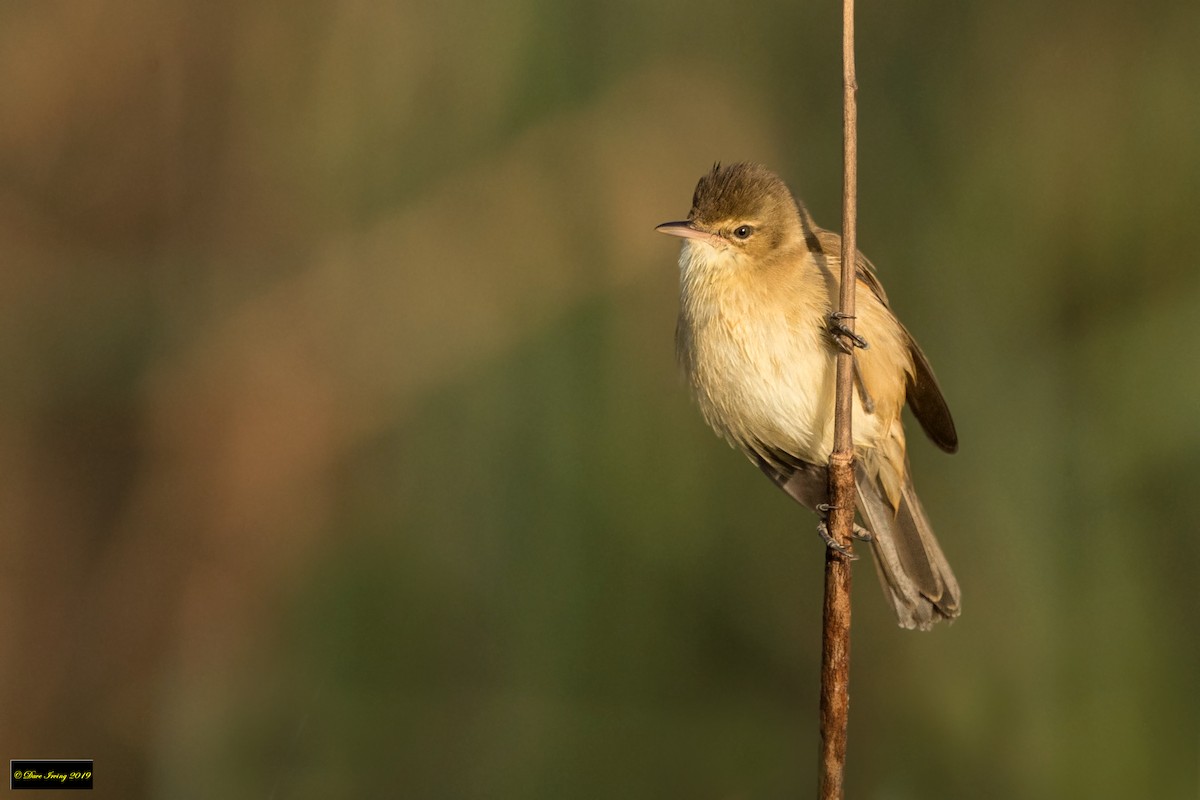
(344, 453)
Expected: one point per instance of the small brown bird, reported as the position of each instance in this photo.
(758, 340)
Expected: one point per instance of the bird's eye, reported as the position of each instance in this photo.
(743, 232)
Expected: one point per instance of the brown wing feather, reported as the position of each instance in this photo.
(830, 243)
(926, 401)
(923, 393)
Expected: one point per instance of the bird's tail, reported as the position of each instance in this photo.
(912, 568)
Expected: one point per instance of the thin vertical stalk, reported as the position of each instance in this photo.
(835, 641)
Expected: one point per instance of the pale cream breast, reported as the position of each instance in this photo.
(758, 354)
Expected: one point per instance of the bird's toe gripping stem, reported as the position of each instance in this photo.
(845, 339)
(860, 533)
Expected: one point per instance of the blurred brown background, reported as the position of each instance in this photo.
(343, 453)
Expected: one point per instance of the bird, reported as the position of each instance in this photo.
(757, 338)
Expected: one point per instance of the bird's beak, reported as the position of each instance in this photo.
(685, 229)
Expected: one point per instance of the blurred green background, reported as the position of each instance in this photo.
(344, 454)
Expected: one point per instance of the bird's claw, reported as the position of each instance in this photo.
(845, 339)
(858, 532)
(834, 544)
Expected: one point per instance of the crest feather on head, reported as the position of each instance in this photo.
(740, 191)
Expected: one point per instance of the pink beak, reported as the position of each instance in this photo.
(685, 229)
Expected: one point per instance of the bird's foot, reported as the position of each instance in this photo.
(858, 532)
(845, 339)
(833, 544)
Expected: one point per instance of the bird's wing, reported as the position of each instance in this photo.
(926, 400)
(923, 393)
